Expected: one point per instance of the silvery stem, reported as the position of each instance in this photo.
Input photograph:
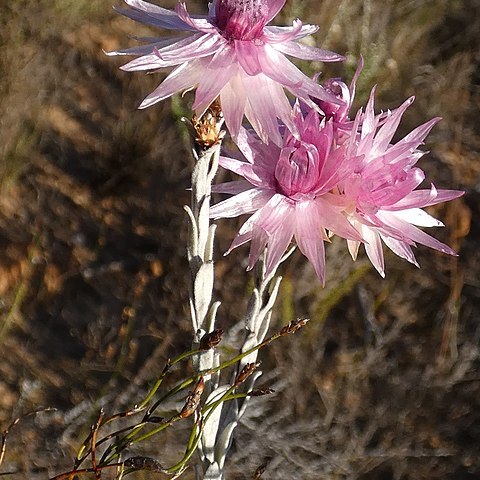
(217, 433)
(256, 324)
(200, 257)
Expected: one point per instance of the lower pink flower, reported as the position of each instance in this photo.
(287, 190)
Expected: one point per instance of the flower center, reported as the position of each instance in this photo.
(241, 19)
(298, 170)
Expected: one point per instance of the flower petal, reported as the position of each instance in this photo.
(247, 56)
(195, 22)
(149, 14)
(193, 47)
(417, 216)
(402, 249)
(306, 52)
(309, 233)
(374, 249)
(182, 78)
(246, 202)
(232, 188)
(425, 198)
(284, 34)
(274, 6)
(415, 234)
(233, 99)
(218, 73)
(144, 49)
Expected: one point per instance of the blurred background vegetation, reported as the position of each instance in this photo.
(383, 384)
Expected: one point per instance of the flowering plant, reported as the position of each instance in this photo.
(311, 169)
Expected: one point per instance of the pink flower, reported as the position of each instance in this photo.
(287, 191)
(233, 54)
(380, 197)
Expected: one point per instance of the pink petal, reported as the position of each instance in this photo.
(259, 241)
(309, 233)
(418, 135)
(182, 78)
(200, 45)
(247, 56)
(385, 134)
(260, 109)
(245, 202)
(255, 174)
(279, 242)
(219, 72)
(233, 99)
(401, 249)
(274, 6)
(285, 34)
(195, 22)
(374, 250)
(232, 188)
(306, 52)
(276, 66)
(195, 46)
(353, 84)
(415, 234)
(153, 15)
(369, 124)
(333, 219)
(144, 49)
(418, 217)
(425, 198)
(255, 151)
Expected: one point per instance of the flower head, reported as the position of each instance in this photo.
(380, 197)
(233, 54)
(356, 184)
(287, 190)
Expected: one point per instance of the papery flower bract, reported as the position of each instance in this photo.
(344, 93)
(233, 54)
(380, 197)
(287, 189)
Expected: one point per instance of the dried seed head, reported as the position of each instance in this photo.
(294, 326)
(193, 400)
(207, 132)
(260, 391)
(211, 340)
(246, 372)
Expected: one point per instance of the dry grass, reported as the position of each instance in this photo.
(383, 385)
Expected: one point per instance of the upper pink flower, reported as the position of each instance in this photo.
(287, 189)
(231, 53)
(379, 195)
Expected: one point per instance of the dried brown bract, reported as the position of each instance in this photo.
(193, 400)
(207, 131)
(294, 326)
(259, 471)
(260, 391)
(246, 372)
(211, 340)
